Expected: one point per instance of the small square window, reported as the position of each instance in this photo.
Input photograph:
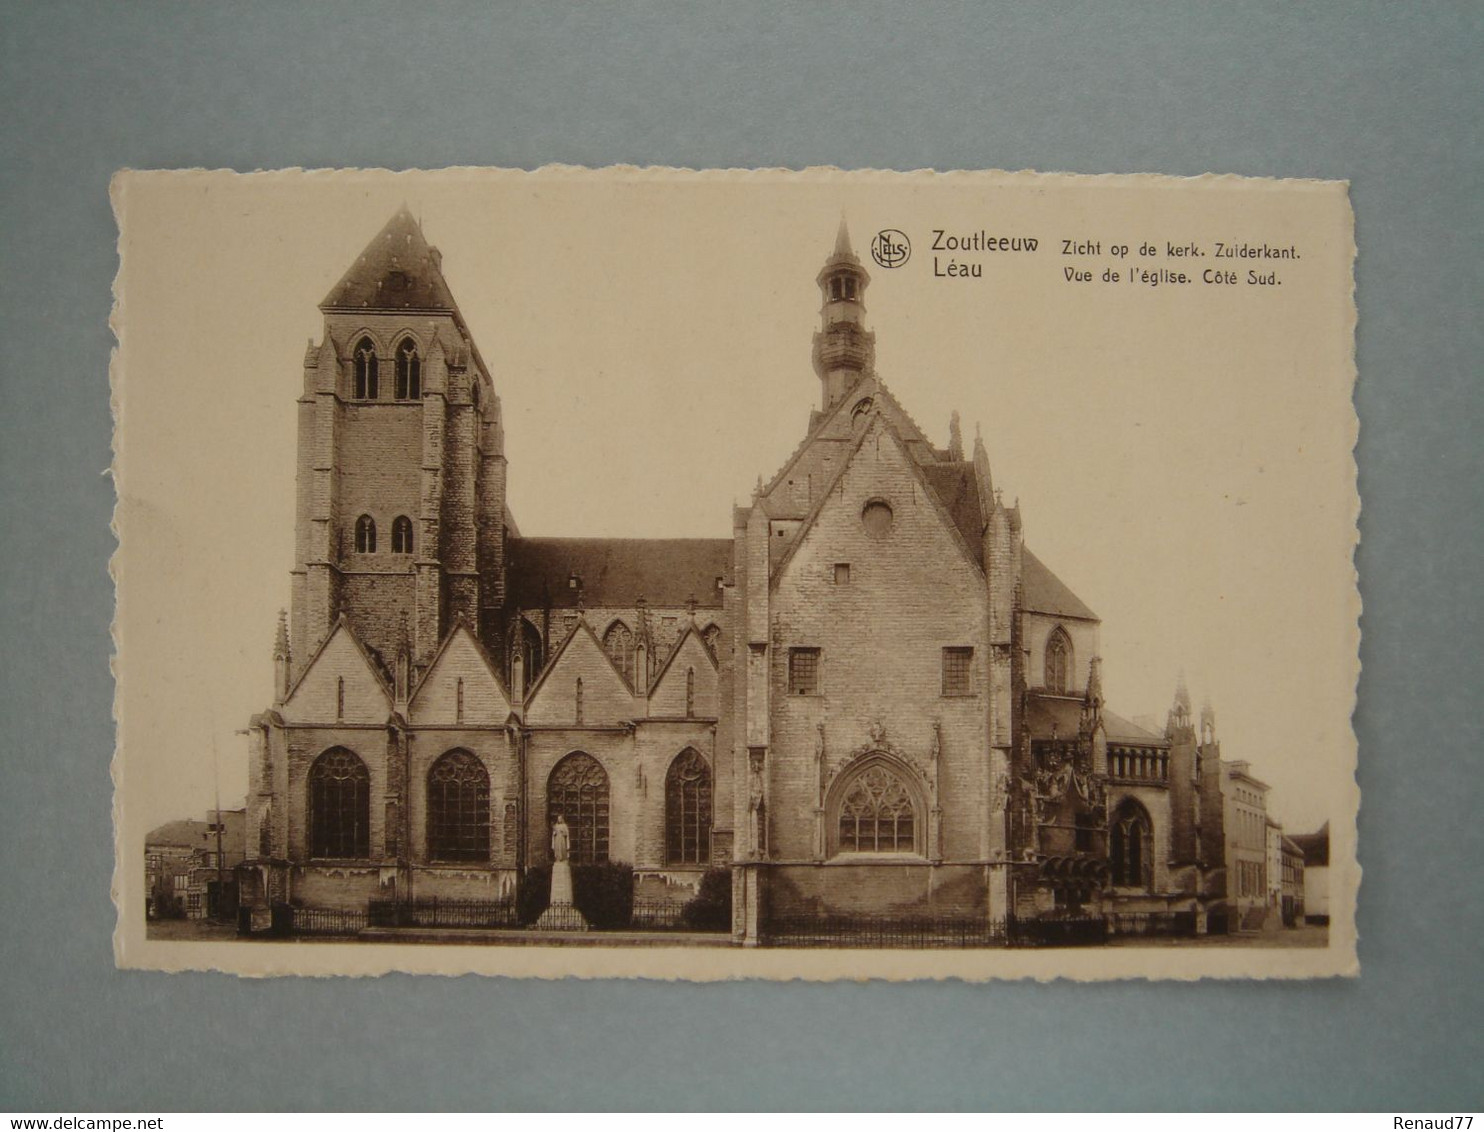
(957, 664)
(803, 672)
(842, 573)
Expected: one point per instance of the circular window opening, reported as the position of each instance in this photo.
(877, 518)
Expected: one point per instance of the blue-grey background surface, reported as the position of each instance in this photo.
(1387, 95)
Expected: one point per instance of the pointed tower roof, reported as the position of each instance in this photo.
(1182, 693)
(281, 638)
(398, 270)
(843, 250)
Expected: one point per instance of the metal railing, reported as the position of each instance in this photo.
(441, 912)
(883, 932)
(1152, 923)
(320, 921)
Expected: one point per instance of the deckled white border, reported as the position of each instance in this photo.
(259, 958)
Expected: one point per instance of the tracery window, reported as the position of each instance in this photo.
(401, 535)
(1129, 844)
(618, 643)
(688, 810)
(458, 809)
(365, 370)
(877, 814)
(1058, 662)
(365, 535)
(339, 806)
(409, 372)
(578, 791)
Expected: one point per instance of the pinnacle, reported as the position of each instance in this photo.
(842, 240)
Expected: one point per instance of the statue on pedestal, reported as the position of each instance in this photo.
(561, 913)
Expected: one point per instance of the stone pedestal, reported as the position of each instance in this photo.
(561, 914)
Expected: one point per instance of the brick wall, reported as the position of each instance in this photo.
(880, 636)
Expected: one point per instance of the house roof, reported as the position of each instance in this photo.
(1043, 592)
(183, 834)
(1314, 846)
(616, 572)
(398, 270)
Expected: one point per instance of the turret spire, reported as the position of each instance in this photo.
(844, 350)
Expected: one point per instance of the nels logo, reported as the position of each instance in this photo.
(891, 248)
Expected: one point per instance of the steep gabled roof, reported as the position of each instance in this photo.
(373, 665)
(1043, 592)
(616, 572)
(397, 271)
(551, 665)
(690, 631)
(460, 626)
(957, 489)
(888, 426)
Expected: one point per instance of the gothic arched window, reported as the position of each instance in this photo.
(401, 535)
(578, 791)
(458, 809)
(365, 535)
(1058, 662)
(339, 806)
(876, 813)
(527, 643)
(618, 643)
(366, 370)
(409, 372)
(688, 810)
(1130, 845)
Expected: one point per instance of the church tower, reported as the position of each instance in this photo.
(401, 470)
(844, 350)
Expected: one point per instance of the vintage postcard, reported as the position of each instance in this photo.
(727, 574)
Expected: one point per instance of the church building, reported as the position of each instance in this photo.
(873, 700)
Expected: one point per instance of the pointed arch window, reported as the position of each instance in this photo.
(876, 813)
(1059, 662)
(528, 643)
(578, 791)
(365, 535)
(1129, 846)
(339, 806)
(401, 535)
(409, 372)
(688, 810)
(618, 643)
(458, 809)
(366, 370)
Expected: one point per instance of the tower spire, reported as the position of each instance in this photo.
(844, 350)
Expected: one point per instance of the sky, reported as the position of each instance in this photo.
(1181, 454)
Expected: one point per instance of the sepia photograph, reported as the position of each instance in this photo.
(729, 574)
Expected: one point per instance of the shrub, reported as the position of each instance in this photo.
(604, 893)
(533, 893)
(710, 910)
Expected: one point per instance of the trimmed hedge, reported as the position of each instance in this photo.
(710, 910)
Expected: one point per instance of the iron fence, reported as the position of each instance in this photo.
(914, 933)
(323, 921)
(1152, 923)
(439, 912)
(883, 932)
(658, 916)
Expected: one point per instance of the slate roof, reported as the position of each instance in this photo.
(1127, 733)
(1043, 592)
(1065, 713)
(184, 834)
(397, 271)
(957, 489)
(618, 571)
(1314, 846)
